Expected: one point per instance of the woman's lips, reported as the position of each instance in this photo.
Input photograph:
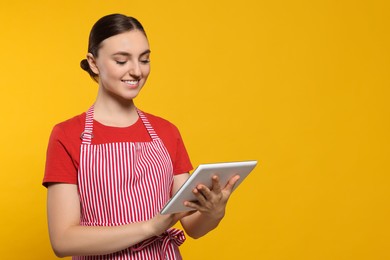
(131, 83)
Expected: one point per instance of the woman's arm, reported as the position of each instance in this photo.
(210, 207)
(69, 238)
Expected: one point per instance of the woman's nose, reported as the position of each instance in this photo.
(135, 69)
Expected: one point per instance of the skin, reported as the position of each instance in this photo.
(124, 59)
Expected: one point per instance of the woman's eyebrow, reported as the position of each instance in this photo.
(145, 52)
(123, 53)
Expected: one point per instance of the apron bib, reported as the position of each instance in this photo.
(126, 182)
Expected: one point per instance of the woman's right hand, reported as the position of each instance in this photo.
(160, 223)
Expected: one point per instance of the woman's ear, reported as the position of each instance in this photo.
(92, 63)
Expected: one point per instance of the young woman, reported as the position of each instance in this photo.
(110, 171)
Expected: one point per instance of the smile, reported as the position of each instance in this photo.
(131, 82)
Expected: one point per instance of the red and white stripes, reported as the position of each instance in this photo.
(122, 183)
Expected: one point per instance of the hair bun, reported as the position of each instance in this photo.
(85, 65)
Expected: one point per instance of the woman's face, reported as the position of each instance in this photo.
(122, 64)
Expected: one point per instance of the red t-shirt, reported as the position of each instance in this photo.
(63, 152)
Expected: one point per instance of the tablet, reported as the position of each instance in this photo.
(202, 175)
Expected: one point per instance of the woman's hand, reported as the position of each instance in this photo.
(212, 202)
(160, 223)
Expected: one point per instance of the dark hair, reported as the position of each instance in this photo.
(104, 28)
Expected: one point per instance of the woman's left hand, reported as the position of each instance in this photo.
(212, 202)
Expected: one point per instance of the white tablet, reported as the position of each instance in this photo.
(202, 175)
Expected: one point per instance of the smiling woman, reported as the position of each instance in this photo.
(110, 171)
(122, 65)
(106, 27)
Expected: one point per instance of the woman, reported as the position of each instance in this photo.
(109, 171)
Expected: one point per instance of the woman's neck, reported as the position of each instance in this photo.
(112, 112)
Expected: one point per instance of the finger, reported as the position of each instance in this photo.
(216, 187)
(203, 190)
(192, 205)
(202, 194)
(232, 181)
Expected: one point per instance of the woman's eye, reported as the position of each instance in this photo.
(121, 62)
(145, 61)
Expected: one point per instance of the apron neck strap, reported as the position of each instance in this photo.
(87, 134)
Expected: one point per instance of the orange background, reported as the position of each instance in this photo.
(301, 86)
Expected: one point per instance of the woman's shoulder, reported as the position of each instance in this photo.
(70, 123)
(70, 127)
(164, 128)
(158, 121)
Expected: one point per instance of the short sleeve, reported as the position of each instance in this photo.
(60, 166)
(181, 160)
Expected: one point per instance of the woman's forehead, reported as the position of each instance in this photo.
(132, 42)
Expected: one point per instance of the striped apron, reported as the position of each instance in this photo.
(125, 182)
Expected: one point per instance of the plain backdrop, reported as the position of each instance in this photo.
(301, 86)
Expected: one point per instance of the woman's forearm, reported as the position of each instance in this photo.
(68, 237)
(198, 224)
(86, 240)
